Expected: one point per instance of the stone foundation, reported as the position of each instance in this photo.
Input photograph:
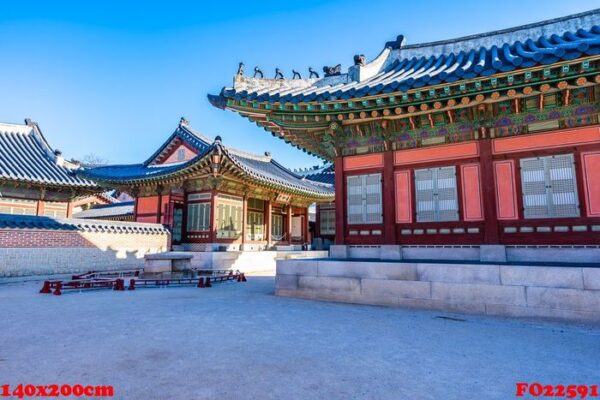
(563, 293)
(248, 261)
(479, 253)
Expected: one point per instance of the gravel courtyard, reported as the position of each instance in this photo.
(239, 341)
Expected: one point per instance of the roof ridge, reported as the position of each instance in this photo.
(202, 137)
(502, 31)
(242, 153)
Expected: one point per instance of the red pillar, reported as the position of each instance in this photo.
(488, 185)
(305, 228)
(69, 209)
(40, 207)
(340, 201)
(268, 220)
(289, 223)
(244, 219)
(213, 225)
(389, 206)
(159, 206)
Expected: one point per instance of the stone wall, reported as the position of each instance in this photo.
(564, 293)
(73, 247)
(478, 253)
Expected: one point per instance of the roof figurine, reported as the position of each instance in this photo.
(405, 80)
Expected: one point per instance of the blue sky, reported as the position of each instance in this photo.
(114, 77)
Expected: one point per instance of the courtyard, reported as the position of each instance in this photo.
(239, 341)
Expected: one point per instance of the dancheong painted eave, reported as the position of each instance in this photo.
(262, 169)
(406, 82)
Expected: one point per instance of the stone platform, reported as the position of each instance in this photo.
(550, 292)
(244, 261)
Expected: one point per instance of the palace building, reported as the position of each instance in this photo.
(486, 139)
(35, 179)
(214, 197)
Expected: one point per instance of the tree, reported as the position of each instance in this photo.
(93, 160)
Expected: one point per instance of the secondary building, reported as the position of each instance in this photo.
(214, 197)
(35, 179)
(485, 139)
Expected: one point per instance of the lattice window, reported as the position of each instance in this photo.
(327, 222)
(435, 192)
(198, 217)
(229, 218)
(277, 227)
(549, 187)
(181, 154)
(364, 199)
(255, 228)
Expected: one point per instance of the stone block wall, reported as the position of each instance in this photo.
(482, 253)
(563, 293)
(102, 246)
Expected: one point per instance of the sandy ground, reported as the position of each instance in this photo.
(239, 341)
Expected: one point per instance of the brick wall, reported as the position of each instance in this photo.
(25, 252)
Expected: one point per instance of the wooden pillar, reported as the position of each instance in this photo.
(69, 209)
(268, 220)
(488, 184)
(40, 207)
(159, 206)
(340, 201)
(244, 219)
(213, 213)
(305, 228)
(388, 194)
(289, 223)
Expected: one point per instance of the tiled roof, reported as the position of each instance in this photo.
(323, 174)
(184, 133)
(26, 156)
(107, 210)
(262, 168)
(400, 68)
(9, 221)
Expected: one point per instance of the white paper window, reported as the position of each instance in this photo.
(364, 199)
(297, 227)
(229, 218)
(435, 192)
(198, 217)
(181, 154)
(327, 222)
(549, 187)
(277, 227)
(255, 228)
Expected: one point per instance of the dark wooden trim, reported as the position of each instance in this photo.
(340, 204)
(488, 193)
(388, 195)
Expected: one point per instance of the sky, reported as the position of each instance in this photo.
(113, 78)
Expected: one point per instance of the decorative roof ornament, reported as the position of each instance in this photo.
(313, 73)
(360, 59)
(278, 74)
(332, 71)
(183, 121)
(396, 44)
(296, 74)
(258, 72)
(240, 70)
